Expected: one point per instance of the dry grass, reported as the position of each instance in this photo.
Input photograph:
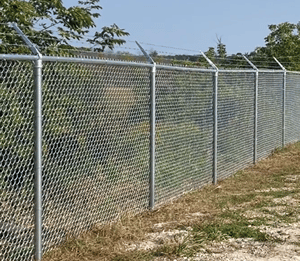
(246, 191)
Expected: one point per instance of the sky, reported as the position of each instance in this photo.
(195, 24)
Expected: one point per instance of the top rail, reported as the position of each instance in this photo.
(21, 57)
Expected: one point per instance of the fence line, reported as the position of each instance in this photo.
(125, 136)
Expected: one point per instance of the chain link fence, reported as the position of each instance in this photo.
(16, 160)
(235, 122)
(96, 145)
(184, 120)
(270, 112)
(96, 138)
(292, 108)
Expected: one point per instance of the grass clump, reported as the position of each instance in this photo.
(236, 227)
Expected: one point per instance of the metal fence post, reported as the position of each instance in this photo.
(152, 129)
(152, 137)
(38, 157)
(255, 116)
(284, 111)
(215, 122)
(38, 251)
(283, 101)
(215, 95)
(255, 107)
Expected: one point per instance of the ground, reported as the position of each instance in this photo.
(253, 215)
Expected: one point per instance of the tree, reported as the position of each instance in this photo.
(221, 49)
(37, 19)
(71, 23)
(211, 53)
(283, 42)
(220, 53)
(153, 54)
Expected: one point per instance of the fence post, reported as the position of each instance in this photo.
(152, 128)
(283, 101)
(38, 157)
(255, 115)
(215, 95)
(38, 251)
(255, 107)
(284, 111)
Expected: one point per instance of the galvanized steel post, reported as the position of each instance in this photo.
(152, 129)
(283, 101)
(284, 111)
(152, 138)
(38, 157)
(38, 251)
(255, 116)
(255, 107)
(215, 95)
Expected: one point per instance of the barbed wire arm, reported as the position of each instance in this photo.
(145, 53)
(249, 62)
(209, 61)
(31, 46)
(282, 67)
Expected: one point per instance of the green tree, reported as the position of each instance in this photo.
(38, 18)
(283, 42)
(221, 49)
(221, 53)
(16, 83)
(154, 54)
(211, 54)
(217, 56)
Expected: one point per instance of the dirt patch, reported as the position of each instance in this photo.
(244, 250)
(249, 250)
(287, 201)
(154, 240)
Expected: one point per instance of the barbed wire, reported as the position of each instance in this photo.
(82, 48)
(169, 47)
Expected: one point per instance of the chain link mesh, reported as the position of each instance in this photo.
(270, 111)
(292, 107)
(184, 125)
(96, 145)
(235, 122)
(96, 138)
(16, 160)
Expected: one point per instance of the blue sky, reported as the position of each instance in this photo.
(194, 24)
